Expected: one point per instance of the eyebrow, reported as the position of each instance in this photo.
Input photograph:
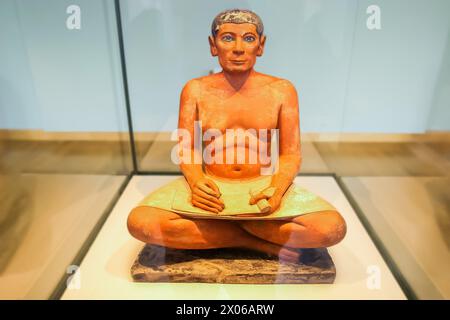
(225, 32)
(234, 33)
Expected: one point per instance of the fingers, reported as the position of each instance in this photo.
(204, 207)
(258, 197)
(207, 190)
(207, 202)
(204, 195)
(274, 204)
(213, 186)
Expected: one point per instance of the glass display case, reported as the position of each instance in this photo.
(90, 100)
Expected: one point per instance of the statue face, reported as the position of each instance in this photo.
(237, 46)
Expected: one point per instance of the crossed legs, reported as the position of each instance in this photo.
(277, 238)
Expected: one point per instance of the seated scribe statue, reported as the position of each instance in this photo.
(225, 197)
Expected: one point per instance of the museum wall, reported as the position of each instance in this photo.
(58, 79)
(440, 112)
(394, 71)
(349, 78)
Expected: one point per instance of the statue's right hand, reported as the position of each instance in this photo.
(206, 195)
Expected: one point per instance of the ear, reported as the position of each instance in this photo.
(262, 42)
(212, 46)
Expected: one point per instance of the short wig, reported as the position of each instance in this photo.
(237, 16)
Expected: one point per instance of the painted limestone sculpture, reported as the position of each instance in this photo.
(230, 195)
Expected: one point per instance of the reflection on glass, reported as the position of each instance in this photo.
(64, 145)
(373, 101)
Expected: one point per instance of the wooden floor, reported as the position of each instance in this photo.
(386, 159)
(342, 158)
(416, 170)
(68, 157)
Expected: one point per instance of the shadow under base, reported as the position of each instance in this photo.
(230, 265)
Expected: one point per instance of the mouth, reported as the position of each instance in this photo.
(239, 62)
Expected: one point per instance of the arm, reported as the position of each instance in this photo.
(188, 114)
(289, 160)
(205, 193)
(289, 141)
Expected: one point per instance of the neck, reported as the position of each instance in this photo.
(237, 79)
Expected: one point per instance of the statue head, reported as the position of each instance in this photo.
(237, 38)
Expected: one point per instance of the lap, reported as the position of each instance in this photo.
(324, 227)
(150, 215)
(156, 215)
(321, 217)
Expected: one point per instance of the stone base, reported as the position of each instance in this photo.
(230, 265)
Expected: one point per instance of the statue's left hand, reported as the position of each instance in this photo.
(274, 200)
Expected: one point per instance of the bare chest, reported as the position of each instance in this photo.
(255, 110)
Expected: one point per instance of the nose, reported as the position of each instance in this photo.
(238, 48)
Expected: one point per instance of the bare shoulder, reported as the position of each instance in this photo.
(284, 87)
(203, 84)
(280, 85)
(209, 79)
(191, 89)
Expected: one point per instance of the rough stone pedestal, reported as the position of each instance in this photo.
(230, 265)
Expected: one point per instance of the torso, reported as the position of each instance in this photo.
(254, 106)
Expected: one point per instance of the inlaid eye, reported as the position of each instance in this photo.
(227, 38)
(249, 38)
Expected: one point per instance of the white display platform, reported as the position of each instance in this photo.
(105, 270)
